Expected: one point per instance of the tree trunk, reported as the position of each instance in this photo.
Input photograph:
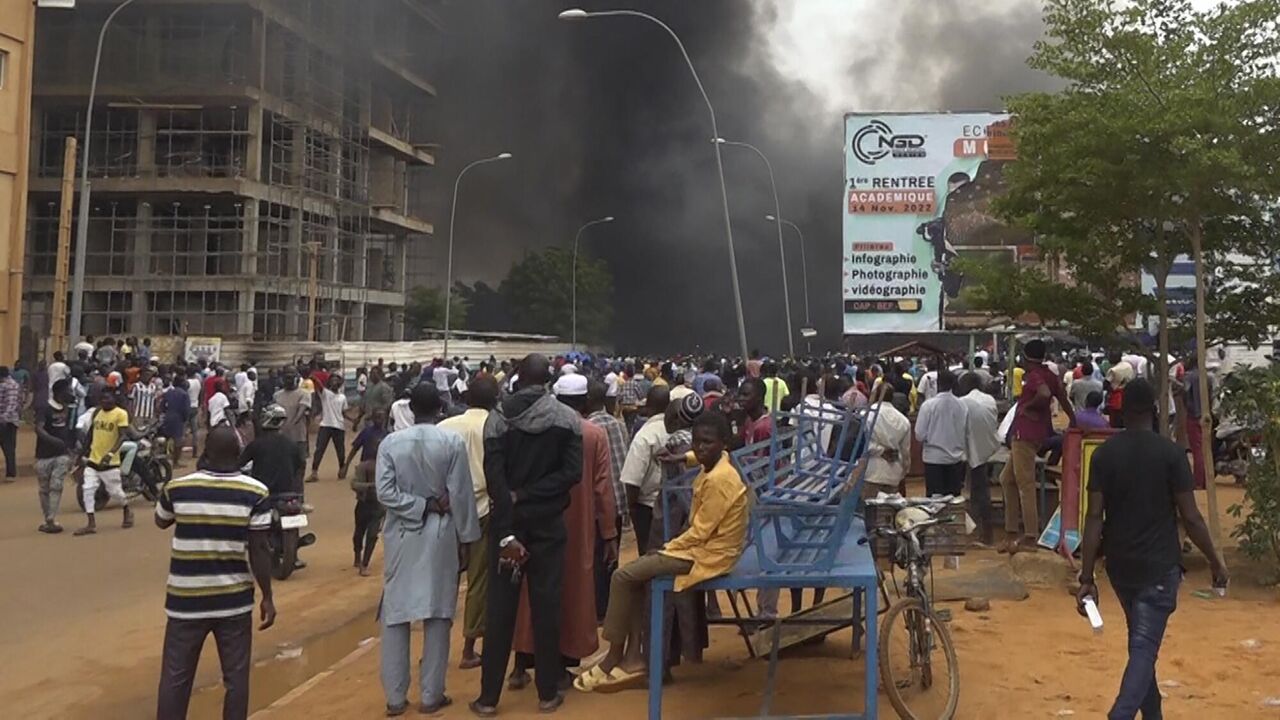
(1206, 403)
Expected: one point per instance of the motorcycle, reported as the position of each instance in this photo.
(144, 473)
(1233, 449)
(287, 520)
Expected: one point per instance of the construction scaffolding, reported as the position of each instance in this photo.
(257, 172)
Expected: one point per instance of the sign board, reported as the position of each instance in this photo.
(205, 348)
(900, 172)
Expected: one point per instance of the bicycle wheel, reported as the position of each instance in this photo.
(918, 665)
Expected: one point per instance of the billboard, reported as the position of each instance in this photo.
(901, 173)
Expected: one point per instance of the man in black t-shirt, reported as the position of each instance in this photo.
(55, 449)
(1138, 486)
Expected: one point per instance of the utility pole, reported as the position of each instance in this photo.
(313, 286)
(62, 270)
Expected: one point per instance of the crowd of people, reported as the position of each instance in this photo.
(523, 476)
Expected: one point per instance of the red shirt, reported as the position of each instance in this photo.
(759, 430)
(321, 378)
(210, 387)
(1034, 421)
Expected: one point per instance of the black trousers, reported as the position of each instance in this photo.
(9, 445)
(945, 479)
(368, 516)
(324, 436)
(544, 573)
(980, 501)
(183, 640)
(642, 523)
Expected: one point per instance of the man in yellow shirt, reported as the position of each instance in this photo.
(775, 388)
(708, 549)
(109, 429)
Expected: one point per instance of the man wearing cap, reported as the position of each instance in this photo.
(591, 518)
(533, 460)
(1032, 425)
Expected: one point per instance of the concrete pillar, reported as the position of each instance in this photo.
(245, 297)
(355, 325)
(249, 229)
(141, 270)
(253, 151)
(147, 142)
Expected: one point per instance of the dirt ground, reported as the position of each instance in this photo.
(83, 628)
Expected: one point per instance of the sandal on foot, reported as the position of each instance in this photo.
(85, 531)
(397, 710)
(588, 680)
(619, 680)
(482, 710)
(546, 707)
(469, 663)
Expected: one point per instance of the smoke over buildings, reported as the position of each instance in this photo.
(604, 119)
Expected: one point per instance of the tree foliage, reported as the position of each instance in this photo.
(1168, 129)
(1251, 397)
(424, 308)
(539, 298)
(486, 308)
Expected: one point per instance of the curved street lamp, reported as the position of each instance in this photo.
(453, 211)
(782, 253)
(82, 229)
(804, 267)
(580, 14)
(573, 283)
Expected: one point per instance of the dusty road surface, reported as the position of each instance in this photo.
(83, 618)
(84, 621)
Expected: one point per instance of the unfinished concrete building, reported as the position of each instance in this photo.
(258, 166)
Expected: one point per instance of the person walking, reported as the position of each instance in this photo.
(210, 587)
(174, 409)
(296, 404)
(369, 513)
(1032, 425)
(55, 450)
(533, 459)
(982, 421)
(1133, 522)
(10, 416)
(108, 429)
(482, 398)
(424, 482)
(333, 426)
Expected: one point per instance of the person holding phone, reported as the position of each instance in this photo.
(1139, 486)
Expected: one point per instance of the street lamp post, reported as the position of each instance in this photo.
(782, 253)
(573, 283)
(804, 267)
(453, 213)
(82, 229)
(579, 14)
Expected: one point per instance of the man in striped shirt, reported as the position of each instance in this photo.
(221, 516)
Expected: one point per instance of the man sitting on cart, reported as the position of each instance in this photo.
(708, 549)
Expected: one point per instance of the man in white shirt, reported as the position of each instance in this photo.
(218, 405)
(982, 441)
(482, 398)
(928, 385)
(940, 427)
(641, 471)
(246, 391)
(1138, 362)
(333, 425)
(889, 453)
(58, 369)
(401, 415)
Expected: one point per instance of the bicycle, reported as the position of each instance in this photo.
(913, 640)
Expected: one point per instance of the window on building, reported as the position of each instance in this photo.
(4, 68)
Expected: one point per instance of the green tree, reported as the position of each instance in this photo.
(424, 308)
(1162, 142)
(539, 297)
(1251, 397)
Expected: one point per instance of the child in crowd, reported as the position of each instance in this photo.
(368, 511)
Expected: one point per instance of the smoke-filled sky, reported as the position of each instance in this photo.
(604, 119)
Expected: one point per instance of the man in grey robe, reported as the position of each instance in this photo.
(424, 481)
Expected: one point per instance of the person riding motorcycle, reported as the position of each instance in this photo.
(273, 459)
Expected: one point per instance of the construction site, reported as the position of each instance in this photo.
(259, 168)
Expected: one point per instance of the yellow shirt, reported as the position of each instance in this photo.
(105, 434)
(1017, 381)
(470, 425)
(774, 390)
(717, 525)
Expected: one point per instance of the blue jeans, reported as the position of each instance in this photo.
(1146, 612)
